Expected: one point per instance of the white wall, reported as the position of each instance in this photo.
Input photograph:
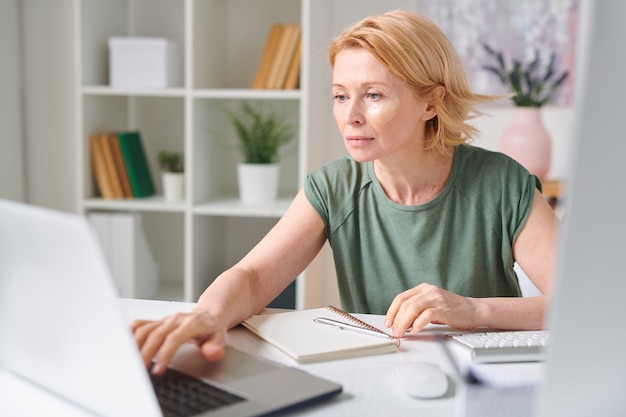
(48, 80)
(11, 152)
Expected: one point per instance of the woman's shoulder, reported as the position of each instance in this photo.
(341, 173)
(481, 161)
(332, 187)
(489, 171)
(476, 155)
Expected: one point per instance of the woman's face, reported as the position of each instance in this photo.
(377, 113)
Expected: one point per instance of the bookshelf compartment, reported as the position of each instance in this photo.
(229, 37)
(216, 153)
(166, 237)
(100, 20)
(159, 120)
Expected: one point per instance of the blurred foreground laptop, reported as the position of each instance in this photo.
(585, 372)
(61, 330)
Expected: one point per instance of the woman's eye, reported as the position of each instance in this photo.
(373, 96)
(340, 98)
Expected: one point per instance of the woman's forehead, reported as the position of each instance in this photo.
(359, 66)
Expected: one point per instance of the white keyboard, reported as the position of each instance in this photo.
(507, 346)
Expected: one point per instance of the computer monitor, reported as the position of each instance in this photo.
(586, 363)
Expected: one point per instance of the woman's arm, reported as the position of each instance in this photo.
(269, 267)
(535, 250)
(536, 247)
(244, 289)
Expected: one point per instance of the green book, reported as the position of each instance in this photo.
(136, 164)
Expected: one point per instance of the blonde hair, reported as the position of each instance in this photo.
(416, 51)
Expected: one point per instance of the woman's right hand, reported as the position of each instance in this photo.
(160, 339)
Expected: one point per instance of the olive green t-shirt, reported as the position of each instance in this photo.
(461, 240)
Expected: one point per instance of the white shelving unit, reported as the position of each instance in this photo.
(222, 42)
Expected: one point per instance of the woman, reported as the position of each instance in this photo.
(424, 228)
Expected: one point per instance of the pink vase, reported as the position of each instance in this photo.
(527, 141)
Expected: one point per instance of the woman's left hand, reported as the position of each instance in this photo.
(415, 308)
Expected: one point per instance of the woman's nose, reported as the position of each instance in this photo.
(354, 112)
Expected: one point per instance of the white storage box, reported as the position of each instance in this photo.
(144, 62)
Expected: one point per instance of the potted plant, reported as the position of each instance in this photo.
(261, 132)
(532, 86)
(172, 166)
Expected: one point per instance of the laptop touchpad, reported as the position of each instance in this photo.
(234, 366)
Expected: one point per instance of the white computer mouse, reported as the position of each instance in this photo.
(421, 379)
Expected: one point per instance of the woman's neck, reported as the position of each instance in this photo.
(414, 179)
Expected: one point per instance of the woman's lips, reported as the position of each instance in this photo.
(358, 141)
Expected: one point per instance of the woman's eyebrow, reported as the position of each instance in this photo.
(367, 84)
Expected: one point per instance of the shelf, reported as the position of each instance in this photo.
(211, 93)
(232, 207)
(249, 94)
(101, 90)
(155, 203)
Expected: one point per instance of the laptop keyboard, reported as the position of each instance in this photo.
(181, 395)
(507, 346)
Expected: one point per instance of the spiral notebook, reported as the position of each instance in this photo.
(297, 334)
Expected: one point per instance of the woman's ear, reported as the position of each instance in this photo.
(437, 95)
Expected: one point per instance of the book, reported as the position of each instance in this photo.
(120, 168)
(99, 167)
(297, 334)
(269, 53)
(111, 169)
(287, 46)
(136, 164)
(293, 75)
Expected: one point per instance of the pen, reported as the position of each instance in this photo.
(351, 327)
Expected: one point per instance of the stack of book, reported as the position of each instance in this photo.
(280, 63)
(120, 166)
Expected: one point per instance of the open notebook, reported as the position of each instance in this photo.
(299, 335)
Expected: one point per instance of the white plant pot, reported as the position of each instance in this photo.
(173, 186)
(258, 183)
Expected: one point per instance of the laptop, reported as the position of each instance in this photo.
(62, 329)
(585, 369)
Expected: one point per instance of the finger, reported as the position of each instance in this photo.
(153, 336)
(425, 318)
(142, 331)
(407, 314)
(138, 323)
(394, 308)
(164, 340)
(185, 328)
(213, 349)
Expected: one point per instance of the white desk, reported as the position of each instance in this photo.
(369, 384)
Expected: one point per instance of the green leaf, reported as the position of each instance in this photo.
(532, 87)
(260, 132)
